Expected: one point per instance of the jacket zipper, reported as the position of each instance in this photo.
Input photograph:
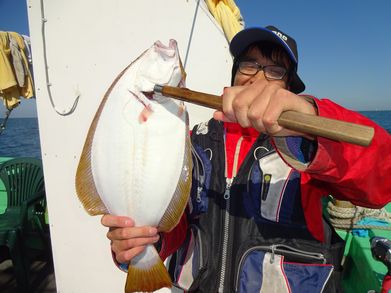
(227, 196)
(280, 249)
(224, 254)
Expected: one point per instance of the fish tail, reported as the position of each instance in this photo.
(147, 273)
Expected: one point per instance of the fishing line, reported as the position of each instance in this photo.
(191, 34)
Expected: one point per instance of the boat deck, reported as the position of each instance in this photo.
(41, 274)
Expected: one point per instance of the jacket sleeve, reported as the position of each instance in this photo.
(361, 175)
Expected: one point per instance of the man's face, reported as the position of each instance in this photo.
(253, 54)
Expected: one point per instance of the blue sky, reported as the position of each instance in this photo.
(344, 46)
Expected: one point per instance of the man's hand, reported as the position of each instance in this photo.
(260, 104)
(127, 241)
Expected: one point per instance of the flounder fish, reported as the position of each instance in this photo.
(136, 159)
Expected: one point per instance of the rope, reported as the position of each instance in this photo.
(347, 217)
(5, 120)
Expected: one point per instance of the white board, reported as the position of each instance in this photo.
(83, 46)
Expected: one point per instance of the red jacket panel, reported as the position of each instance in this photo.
(359, 174)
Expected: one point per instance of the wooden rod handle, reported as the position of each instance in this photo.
(329, 128)
(186, 95)
(311, 124)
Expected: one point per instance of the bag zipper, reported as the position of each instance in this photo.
(280, 249)
(199, 177)
(199, 241)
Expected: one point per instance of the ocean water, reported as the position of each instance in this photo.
(21, 136)
(383, 118)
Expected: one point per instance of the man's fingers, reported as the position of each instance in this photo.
(128, 255)
(218, 115)
(127, 241)
(125, 250)
(112, 221)
(122, 245)
(229, 96)
(240, 107)
(132, 232)
(258, 111)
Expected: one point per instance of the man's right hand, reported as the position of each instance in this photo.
(127, 241)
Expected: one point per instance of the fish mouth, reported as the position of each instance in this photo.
(148, 94)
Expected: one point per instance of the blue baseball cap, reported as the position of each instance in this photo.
(246, 37)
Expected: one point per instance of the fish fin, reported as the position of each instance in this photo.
(183, 72)
(181, 109)
(180, 198)
(85, 185)
(147, 278)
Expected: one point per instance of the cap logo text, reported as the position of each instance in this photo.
(281, 36)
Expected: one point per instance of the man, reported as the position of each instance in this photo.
(255, 220)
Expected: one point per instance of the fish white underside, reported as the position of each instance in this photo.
(136, 160)
(134, 164)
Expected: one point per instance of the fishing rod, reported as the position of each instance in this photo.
(311, 124)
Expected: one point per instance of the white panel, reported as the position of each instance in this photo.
(87, 44)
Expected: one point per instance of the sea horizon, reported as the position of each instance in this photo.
(20, 138)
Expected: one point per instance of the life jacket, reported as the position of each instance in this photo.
(248, 233)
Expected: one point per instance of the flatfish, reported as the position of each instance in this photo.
(136, 160)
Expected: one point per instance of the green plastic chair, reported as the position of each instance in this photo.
(22, 226)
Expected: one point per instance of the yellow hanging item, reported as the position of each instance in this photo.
(15, 76)
(227, 15)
